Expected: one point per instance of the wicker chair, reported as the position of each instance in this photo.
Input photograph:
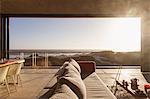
(3, 80)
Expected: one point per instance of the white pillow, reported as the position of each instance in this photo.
(75, 64)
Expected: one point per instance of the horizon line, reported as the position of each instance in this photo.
(96, 50)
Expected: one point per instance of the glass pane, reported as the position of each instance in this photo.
(107, 41)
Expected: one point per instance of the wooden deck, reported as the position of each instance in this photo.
(108, 76)
(34, 80)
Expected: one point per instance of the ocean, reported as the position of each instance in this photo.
(26, 53)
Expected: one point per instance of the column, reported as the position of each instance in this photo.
(145, 54)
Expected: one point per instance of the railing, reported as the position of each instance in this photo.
(34, 59)
(31, 59)
(41, 59)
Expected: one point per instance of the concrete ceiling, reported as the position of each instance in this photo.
(76, 7)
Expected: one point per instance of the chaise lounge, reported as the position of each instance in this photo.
(76, 80)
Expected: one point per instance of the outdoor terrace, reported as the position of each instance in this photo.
(34, 80)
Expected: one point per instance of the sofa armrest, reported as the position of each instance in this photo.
(87, 68)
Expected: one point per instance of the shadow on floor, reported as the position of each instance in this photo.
(147, 77)
(49, 93)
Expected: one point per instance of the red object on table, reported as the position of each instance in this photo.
(147, 86)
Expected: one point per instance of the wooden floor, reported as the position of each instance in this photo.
(34, 80)
(109, 75)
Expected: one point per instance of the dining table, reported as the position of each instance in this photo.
(10, 62)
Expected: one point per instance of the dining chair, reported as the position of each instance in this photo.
(3, 80)
(14, 73)
(18, 73)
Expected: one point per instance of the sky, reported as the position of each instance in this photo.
(116, 34)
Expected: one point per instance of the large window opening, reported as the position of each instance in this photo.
(107, 41)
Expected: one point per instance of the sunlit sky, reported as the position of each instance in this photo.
(117, 34)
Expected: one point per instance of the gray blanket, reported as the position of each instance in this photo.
(68, 82)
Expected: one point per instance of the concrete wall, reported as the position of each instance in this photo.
(0, 39)
(145, 61)
(102, 7)
(0, 31)
(99, 8)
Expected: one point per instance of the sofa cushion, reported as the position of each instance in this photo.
(75, 64)
(55, 78)
(72, 78)
(63, 92)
